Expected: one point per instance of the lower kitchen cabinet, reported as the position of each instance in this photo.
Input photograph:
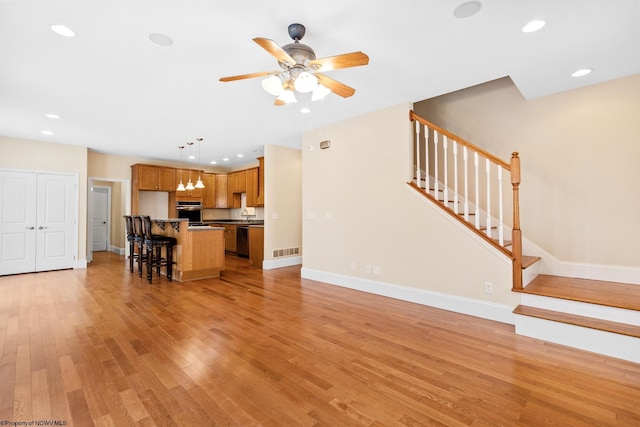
(256, 246)
(230, 238)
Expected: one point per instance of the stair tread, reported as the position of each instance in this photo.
(528, 261)
(611, 294)
(584, 321)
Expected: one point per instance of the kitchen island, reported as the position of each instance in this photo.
(199, 252)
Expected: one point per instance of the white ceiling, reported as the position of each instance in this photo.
(117, 92)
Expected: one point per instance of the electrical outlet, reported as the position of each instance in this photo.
(367, 269)
(488, 287)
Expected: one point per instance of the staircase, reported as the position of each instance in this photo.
(597, 316)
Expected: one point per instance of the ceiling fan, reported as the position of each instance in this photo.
(301, 71)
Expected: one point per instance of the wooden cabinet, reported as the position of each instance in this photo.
(230, 238)
(256, 246)
(221, 191)
(186, 175)
(252, 186)
(260, 197)
(236, 184)
(154, 178)
(209, 196)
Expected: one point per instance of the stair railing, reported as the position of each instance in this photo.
(442, 160)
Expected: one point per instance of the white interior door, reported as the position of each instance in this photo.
(55, 222)
(17, 222)
(100, 218)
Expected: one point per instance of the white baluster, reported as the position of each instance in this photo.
(488, 170)
(436, 178)
(418, 177)
(465, 156)
(477, 211)
(500, 213)
(455, 177)
(446, 168)
(426, 158)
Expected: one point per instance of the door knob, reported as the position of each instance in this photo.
(41, 228)
(104, 222)
(29, 228)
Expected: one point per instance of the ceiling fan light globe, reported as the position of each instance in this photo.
(306, 82)
(320, 92)
(287, 96)
(272, 85)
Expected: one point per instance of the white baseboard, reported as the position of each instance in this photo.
(117, 250)
(553, 266)
(483, 309)
(81, 263)
(281, 262)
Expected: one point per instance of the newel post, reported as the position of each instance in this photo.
(516, 234)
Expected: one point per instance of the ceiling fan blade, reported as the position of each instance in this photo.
(336, 87)
(353, 59)
(275, 50)
(246, 76)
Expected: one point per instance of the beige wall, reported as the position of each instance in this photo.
(579, 151)
(358, 208)
(283, 199)
(48, 157)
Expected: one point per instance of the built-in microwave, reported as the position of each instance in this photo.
(189, 210)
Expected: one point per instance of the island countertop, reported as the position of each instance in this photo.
(199, 252)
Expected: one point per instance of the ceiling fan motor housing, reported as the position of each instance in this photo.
(301, 53)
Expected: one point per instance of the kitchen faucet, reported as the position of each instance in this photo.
(245, 212)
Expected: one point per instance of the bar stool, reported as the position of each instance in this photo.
(154, 244)
(138, 239)
(131, 238)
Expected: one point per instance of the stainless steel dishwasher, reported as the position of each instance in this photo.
(242, 240)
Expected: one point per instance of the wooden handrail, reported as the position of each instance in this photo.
(513, 167)
(413, 116)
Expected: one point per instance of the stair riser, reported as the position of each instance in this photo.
(530, 273)
(612, 314)
(593, 340)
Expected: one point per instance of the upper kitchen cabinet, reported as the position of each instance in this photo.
(236, 184)
(260, 197)
(221, 191)
(186, 175)
(252, 187)
(209, 196)
(153, 178)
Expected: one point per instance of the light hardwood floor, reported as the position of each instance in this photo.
(100, 346)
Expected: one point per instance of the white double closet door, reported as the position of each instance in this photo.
(37, 221)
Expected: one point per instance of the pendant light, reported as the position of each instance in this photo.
(181, 185)
(199, 183)
(189, 185)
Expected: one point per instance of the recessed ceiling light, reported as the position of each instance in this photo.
(213, 162)
(582, 72)
(160, 39)
(305, 110)
(47, 132)
(533, 26)
(240, 155)
(467, 9)
(63, 30)
(52, 116)
(226, 159)
(192, 157)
